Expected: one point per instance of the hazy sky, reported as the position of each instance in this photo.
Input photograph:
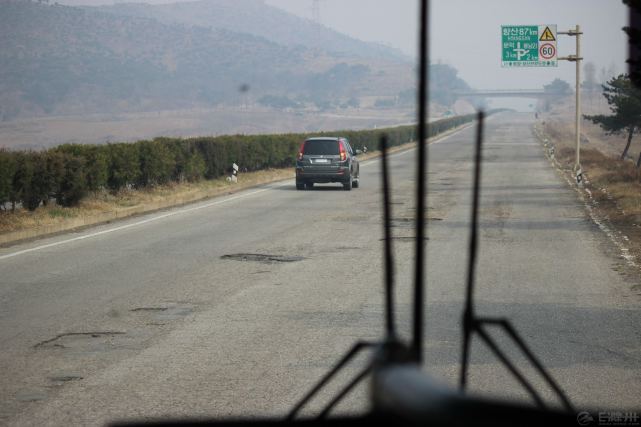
(466, 34)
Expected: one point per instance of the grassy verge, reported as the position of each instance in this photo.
(106, 206)
(612, 187)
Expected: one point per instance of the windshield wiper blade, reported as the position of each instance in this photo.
(472, 324)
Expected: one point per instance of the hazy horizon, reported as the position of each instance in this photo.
(470, 41)
(465, 35)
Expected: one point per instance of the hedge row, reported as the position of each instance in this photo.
(68, 172)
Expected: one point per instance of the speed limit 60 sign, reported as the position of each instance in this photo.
(528, 46)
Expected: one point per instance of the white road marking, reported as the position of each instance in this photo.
(144, 221)
(376, 159)
(191, 209)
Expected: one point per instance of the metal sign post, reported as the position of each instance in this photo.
(577, 126)
(535, 46)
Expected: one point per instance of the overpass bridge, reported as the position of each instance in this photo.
(506, 93)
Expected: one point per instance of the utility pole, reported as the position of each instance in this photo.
(577, 126)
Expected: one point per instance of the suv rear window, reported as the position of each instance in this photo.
(321, 147)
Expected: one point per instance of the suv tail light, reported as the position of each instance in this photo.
(341, 149)
(300, 151)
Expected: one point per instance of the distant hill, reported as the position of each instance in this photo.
(61, 60)
(68, 60)
(259, 19)
(54, 55)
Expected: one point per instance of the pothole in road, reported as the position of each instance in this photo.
(165, 312)
(402, 222)
(175, 313)
(81, 340)
(65, 378)
(31, 396)
(410, 222)
(405, 238)
(263, 258)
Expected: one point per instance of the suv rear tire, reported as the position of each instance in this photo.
(356, 183)
(309, 185)
(347, 185)
(300, 185)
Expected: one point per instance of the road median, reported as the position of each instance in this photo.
(104, 206)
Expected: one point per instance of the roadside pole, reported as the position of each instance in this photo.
(577, 126)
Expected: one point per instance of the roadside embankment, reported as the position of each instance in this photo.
(611, 188)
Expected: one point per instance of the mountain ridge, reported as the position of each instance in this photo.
(257, 18)
(60, 59)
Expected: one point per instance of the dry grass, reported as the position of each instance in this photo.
(105, 206)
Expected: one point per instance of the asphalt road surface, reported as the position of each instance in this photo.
(148, 318)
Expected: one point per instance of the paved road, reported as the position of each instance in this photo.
(143, 318)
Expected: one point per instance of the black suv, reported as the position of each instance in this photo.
(327, 159)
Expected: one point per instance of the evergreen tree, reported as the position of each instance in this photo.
(124, 167)
(73, 183)
(625, 103)
(157, 163)
(25, 183)
(7, 171)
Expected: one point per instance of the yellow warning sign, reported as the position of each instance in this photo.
(547, 35)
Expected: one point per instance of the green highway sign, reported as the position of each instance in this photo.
(528, 46)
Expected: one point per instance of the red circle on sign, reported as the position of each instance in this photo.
(547, 51)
